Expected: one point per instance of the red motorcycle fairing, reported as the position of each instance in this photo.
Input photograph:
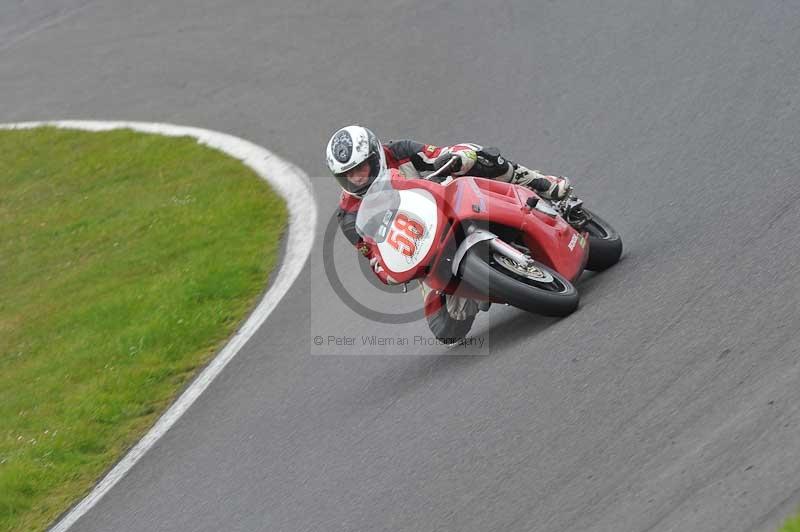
(550, 239)
(410, 242)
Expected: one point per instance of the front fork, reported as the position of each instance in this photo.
(475, 236)
(510, 252)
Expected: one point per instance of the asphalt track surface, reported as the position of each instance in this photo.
(669, 401)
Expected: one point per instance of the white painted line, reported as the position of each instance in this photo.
(293, 185)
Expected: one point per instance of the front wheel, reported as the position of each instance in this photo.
(535, 288)
(605, 244)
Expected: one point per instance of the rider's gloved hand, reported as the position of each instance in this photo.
(443, 159)
(367, 251)
(465, 161)
(384, 277)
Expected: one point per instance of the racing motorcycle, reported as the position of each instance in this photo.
(480, 241)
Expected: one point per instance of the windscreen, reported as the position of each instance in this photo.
(377, 209)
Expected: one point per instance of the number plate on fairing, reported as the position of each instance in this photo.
(411, 231)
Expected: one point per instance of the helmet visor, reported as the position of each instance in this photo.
(358, 179)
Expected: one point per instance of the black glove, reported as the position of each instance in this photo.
(491, 157)
(444, 158)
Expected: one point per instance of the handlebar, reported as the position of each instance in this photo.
(443, 169)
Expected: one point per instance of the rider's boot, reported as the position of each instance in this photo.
(461, 308)
(548, 186)
(449, 317)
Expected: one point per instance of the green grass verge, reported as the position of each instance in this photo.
(126, 261)
(792, 524)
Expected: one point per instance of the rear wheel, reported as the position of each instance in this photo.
(535, 288)
(605, 244)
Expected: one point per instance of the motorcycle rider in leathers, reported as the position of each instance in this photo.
(356, 157)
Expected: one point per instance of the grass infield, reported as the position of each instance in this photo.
(792, 524)
(126, 261)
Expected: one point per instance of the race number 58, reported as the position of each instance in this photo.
(404, 234)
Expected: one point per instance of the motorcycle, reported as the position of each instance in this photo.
(476, 241)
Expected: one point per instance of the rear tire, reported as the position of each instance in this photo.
(547, 293)
(605, 244)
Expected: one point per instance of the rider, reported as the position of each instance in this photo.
(356, 157)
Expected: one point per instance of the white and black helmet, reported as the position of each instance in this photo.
(348, 148)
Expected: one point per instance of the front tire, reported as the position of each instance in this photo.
(605, 244)
(540, 289)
